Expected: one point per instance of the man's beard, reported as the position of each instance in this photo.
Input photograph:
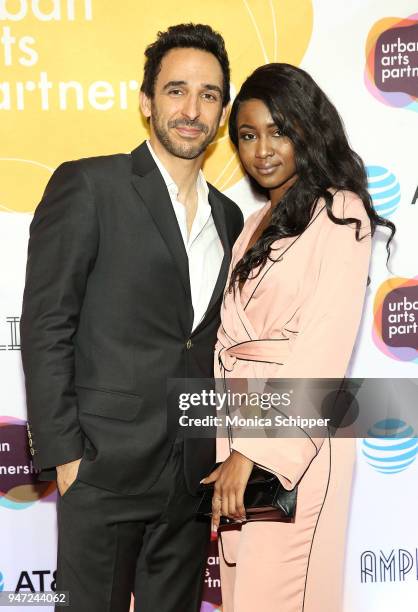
(183, 150)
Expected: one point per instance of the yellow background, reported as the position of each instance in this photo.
(110, 47)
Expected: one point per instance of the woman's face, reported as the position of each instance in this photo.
(267, 155)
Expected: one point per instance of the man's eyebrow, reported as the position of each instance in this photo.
(174, 84)
(208, 86)
(212, 88)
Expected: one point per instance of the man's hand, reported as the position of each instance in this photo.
(66, 474)
(230, 480)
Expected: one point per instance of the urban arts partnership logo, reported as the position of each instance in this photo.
(384, 189)
(390, 447)
(19, 486)
(392, 61)
(395, 324)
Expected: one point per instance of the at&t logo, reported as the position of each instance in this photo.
(384, 189)
(390, 449)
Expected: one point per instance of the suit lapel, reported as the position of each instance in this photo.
(152, 190)
(218, 213)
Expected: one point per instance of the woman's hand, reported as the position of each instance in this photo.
(230, 480)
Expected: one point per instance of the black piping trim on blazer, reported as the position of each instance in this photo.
(228, 563)
(317, 521)
(290, 318)
(258, 361)
(248, 342)
(260, 340)
(226, 334)
(281, 256)
(248, 334)
(269, 469)
(221, 365)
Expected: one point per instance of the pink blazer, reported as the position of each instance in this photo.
(309, 299)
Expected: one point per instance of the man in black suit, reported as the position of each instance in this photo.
(127, 261)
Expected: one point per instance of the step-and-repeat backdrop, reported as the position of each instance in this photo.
(69, 77)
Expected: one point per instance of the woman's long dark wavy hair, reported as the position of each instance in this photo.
(324, 159)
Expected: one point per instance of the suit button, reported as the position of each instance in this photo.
(30, 442)
(32, 451)
(189, 344)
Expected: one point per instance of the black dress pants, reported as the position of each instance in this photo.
(110, 545)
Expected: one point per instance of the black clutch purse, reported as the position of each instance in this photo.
(265, 499)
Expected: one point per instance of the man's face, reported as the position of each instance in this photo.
(186, 109)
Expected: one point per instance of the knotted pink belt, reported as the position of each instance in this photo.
(271, 350)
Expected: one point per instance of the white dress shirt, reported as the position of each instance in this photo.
(203, 245)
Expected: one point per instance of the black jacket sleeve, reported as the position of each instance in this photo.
(61, 253)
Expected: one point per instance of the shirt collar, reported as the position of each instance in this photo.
(201, 184)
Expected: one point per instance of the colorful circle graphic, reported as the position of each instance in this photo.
(390, 449)
(391, 62)
(19, 485)
(395, 327)
(384, 189)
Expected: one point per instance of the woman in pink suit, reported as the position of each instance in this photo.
(292, 309)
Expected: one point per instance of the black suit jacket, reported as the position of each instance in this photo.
(107, 318)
